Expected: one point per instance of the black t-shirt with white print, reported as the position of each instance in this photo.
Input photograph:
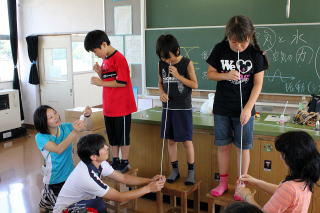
(227, 98)
(179, 94)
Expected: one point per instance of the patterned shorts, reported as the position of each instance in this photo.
(49, 195)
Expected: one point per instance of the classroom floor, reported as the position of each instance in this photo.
(21, 180)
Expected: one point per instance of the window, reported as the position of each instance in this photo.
(82, 60)
(55, 64)
(6, 63)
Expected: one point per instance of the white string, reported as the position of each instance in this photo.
(165, 123)
(241, 133)
(288, 9)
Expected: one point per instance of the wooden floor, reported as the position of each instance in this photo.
(21, 180)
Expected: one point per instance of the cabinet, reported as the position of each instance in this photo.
(97, 126)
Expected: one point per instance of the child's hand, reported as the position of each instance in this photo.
(245, 193)
(245, 116)
(97, 68)
(164, 97)
(249, 179)
(159, 178)
(96, 81)
(155, 186)
(87, 111)
(173, 71)
(233, 75)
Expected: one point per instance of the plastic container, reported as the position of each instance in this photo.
(303, 104)
(281, 120)
(317, 128)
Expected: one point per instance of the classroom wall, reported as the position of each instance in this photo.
(51, 17)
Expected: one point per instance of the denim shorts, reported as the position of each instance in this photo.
(179, 125)
(227, 130)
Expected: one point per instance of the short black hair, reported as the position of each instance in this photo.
(90, 145)
(300, 153)
(40, 119)
(240, 207)
(94, 39)
(165, 44)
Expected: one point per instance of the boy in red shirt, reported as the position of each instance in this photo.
(118, 99)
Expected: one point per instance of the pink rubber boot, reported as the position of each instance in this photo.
(236, 197)
(222, 187)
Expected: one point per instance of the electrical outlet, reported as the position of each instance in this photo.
(216, 176)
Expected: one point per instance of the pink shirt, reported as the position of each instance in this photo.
(290, 197)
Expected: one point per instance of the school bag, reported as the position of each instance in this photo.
(306, 118)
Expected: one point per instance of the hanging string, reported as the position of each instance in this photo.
(241, 133)
(165, 123)
(288, 9)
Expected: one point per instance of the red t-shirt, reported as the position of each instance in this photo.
(117, 101)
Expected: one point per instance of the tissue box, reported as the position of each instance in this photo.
(97, 116)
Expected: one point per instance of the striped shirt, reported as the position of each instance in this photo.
(290, 197)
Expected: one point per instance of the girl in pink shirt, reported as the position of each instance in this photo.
(293, 195)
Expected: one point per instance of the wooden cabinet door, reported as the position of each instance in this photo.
(145, 150)
(204, 161)
(273, 173)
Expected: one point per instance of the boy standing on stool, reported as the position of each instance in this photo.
(118, 98)
(177, 78)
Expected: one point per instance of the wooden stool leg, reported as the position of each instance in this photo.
(184, 203)
(159, 202)
(196, 200)
(134, 203)
(173, 201)
(211, 206)
(117, 204)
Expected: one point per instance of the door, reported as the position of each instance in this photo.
(55, 63)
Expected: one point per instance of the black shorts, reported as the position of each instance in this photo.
(118, 130)
(179, 125)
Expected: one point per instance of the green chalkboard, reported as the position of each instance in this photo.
(190, 13)
(293, 53)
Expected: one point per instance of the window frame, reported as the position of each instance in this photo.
(80, 38)
(6, 37)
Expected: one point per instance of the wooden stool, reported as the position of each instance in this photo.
(118, 206)
(223, 200)
(179, 189)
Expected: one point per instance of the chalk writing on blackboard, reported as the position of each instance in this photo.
(293, 59)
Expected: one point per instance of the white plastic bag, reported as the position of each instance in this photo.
(206, 107)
